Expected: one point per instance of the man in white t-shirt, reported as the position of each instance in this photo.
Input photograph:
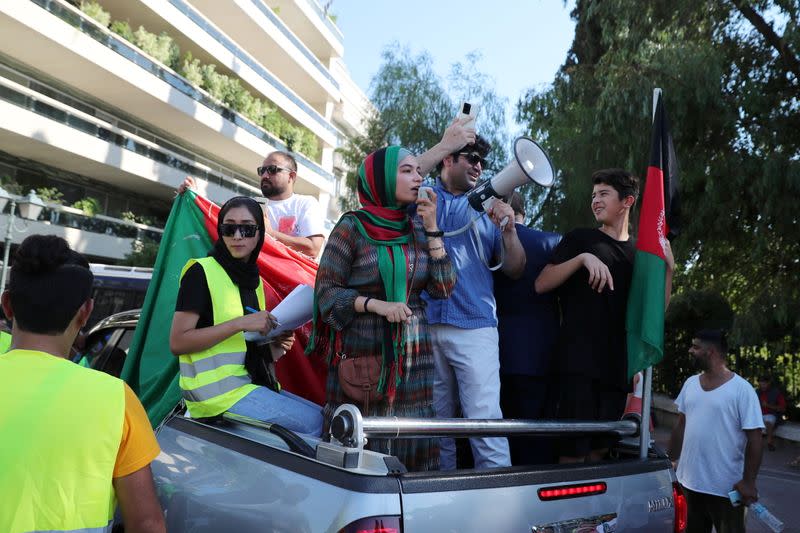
(296, 220)
(717, 438)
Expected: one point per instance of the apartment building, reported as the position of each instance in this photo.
(107, 106)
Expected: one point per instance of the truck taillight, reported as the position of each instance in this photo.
(571, 491)
(374, 524)
(679, 504)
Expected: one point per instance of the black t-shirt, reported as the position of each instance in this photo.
(592, 339)
(194, 296)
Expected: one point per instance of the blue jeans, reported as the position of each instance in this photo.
(286, 409)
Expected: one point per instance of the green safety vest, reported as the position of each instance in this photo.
(5, 341)
(61, 429)
(214, 379)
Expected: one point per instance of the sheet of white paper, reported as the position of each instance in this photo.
(292, 312)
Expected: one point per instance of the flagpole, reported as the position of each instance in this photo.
(647, 388)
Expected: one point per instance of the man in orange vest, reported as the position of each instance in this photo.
(73, 441)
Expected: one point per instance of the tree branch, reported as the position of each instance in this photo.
(773, 39)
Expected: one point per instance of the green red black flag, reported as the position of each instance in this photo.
(658, 220)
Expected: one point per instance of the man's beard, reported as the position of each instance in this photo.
(700, 364)
(270, 189)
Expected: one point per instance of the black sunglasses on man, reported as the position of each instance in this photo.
(473, 158)
(271, 170)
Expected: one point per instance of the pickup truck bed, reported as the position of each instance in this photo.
(237, 477)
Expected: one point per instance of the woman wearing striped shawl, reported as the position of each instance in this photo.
(367, 297)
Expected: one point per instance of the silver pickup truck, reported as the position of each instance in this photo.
(239, 475)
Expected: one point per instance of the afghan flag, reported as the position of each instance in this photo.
(150, 368)
(657, 221)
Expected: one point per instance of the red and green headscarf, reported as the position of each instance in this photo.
(386, 225)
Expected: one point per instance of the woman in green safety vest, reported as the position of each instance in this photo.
(220, 298)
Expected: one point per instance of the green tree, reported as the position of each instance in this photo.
(143, 253)
(414, 105)
(730, 79)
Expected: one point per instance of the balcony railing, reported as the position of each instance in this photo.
(45, 106)
(69, 217)
(233, 48)
(75, 218)
(295, 41)
(328, 22)
(105, 37)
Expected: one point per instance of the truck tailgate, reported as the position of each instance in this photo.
(637, 497)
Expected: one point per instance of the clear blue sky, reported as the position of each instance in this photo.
(522, 42)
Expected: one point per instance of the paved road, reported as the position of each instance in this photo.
(779, 488)
(778, 484)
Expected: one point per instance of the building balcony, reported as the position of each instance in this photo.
(112, 71)
(195, 32)
(308, 20)
(66, 134)
(261, 33)
(97, 236)
(353, 107)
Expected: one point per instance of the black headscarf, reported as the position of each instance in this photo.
(243, 273)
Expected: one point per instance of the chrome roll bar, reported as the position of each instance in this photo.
(350, 428)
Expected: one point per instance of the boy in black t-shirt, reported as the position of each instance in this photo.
(591, 270)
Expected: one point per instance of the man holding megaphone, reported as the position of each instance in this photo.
(464, 326)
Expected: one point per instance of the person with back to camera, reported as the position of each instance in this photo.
(77, 441)
(220, 298)
(527, 326)
(368, 308)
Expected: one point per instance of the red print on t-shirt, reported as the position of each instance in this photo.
(287, 224)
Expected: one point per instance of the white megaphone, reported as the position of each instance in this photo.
(530, 164)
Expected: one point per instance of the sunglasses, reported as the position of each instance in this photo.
(473, 158)
(271, 169)
(245, 230)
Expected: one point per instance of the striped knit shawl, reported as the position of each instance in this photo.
(384, 224)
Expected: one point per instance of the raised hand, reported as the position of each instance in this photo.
(188, 183)
(426, 209)
(458, 135)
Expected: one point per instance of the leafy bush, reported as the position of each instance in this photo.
(10, 184)
(226, 89)
(123, 29)
(147, 220)
(90, 206)
(50, 195)
(94, 10)
(192, 70)
(161, 47)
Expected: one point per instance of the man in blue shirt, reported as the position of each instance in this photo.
(528, 329)
(464, 326)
